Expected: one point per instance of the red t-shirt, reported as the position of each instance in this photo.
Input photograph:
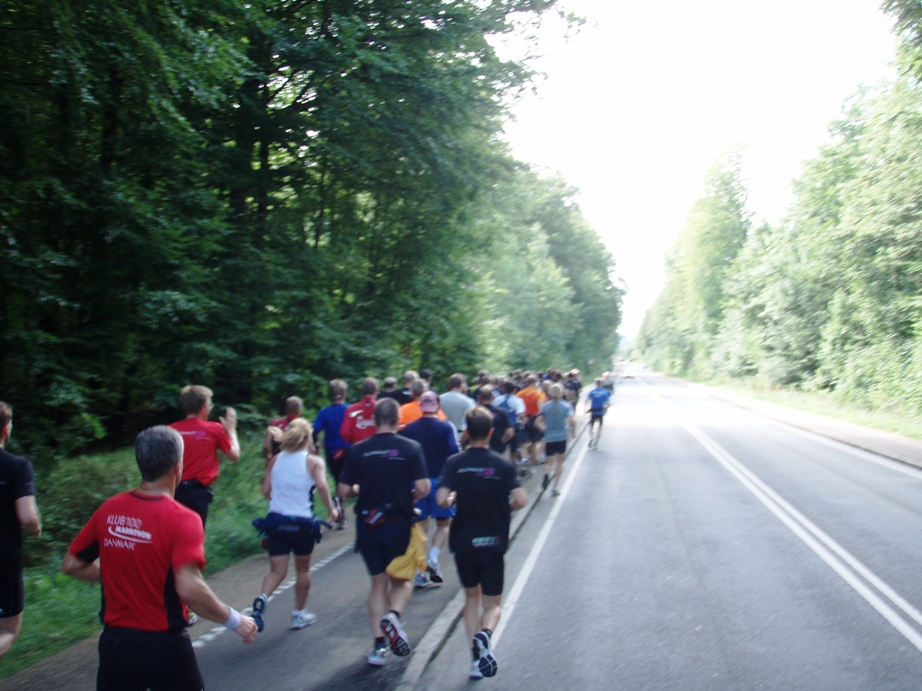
(359, 421)
(141, 541)
(201, 441)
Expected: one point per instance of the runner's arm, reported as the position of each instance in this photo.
(420, 489)
(519, 498)
(194, 591)
(444, 497)
(267, 446)
(317, 469)
(83, 570)
(229, 422)
(29, 518)
(267, 478)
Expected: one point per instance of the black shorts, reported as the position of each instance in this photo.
(133, 660)
(336, 459)
(381, 545)
(196, 496)
(12, 594)
(485, 569)
(596, 417)
(532, 433)
(294, 537)
(552, 448)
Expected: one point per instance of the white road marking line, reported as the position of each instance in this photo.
(218, 630)
(827, 549)
(521, 580)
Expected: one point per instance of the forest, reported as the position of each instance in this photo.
(830, 298)
(263, 196)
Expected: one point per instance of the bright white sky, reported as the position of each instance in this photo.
(638, 104)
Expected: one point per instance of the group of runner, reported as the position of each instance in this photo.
(397, 451)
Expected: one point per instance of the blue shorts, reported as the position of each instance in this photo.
(382, 544)
(428, 507)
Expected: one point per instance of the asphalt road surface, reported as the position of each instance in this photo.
(704, 547)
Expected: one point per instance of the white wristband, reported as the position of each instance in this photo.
(233, 620)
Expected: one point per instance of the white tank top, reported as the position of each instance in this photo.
(292, 486)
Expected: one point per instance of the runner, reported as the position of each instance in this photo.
(502, 432)
(532, 398)
(293, 409)
(597, 403)
(289, 485)
(514, 408)
(201, 441)
(18, 515)
(411, 411)
(359, 419)
(404, 395)
(148, 550)
(329, 422)
(558, 424)
(437, 439)
(455, 404)
(387, 472)
(479, 482)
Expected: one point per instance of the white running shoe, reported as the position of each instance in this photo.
(301, 619)
(487, 662)
(475, 671)
(376, 656)
(393, 629)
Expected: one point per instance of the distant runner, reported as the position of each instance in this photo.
(597, 403)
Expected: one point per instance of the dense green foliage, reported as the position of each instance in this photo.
(263, 196)
(831, 298)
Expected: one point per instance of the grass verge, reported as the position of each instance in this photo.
(904, 423)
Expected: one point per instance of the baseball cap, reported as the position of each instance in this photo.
(429, 402)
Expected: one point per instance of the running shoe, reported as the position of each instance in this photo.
(546, 481)
(475, 671)
(555, 493)
(193, 618)
(393, 629)
(301, 619)
(487, 661)
(423, 581)
(376, 656)
(342, 522)
(435, 573)
(259, 607)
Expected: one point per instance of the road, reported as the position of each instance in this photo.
(701, 546)
(704, 547)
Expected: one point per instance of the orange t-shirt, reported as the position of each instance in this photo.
(532, 398)
(410, 412)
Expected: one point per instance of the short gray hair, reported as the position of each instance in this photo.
(157, 451)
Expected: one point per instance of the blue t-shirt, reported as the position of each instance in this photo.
(555, 416)
(598, 397)
(437, 437)
(329, 421)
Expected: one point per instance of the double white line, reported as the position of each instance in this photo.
(888, 603)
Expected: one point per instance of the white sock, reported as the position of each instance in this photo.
(434, 555)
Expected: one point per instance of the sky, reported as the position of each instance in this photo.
(635, 106)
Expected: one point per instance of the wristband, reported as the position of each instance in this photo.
(233, 620)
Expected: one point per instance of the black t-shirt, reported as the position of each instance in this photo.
(482, 480)
(16, 481)
(385, 467)
(500, 425)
